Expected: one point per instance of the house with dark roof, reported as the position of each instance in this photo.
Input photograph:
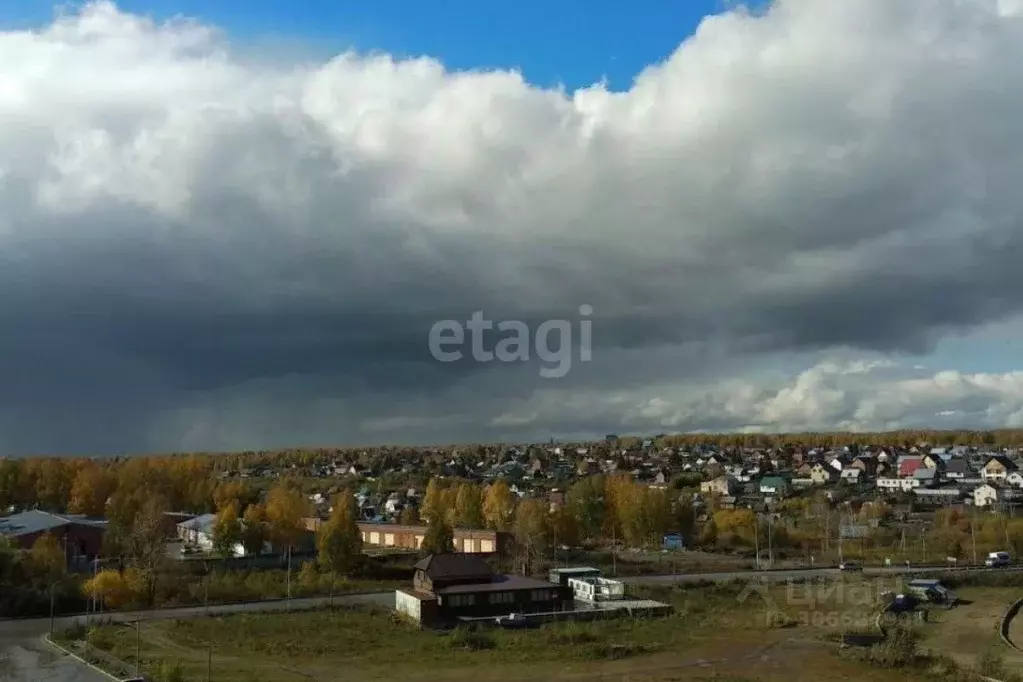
(80, 536)
(451, 587)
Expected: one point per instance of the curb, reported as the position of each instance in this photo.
(50, 642)
(1003, 628)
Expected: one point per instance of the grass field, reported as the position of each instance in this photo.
(779, 634)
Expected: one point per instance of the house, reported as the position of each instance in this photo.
(896, 484)
(908, 466)
(956, 469)
(81, 537)
(851, 475)
(822, 474)
(774, 485)
(934, 460)
(722, 485)
(997, 468)
(986, 495)
(1015, 479)
(450, 587)
(927, 477)
(198, 531)
(469, 540)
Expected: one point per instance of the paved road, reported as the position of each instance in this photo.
(801, 574)
(24, 656)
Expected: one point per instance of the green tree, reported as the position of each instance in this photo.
(586, 502)
(254, 529)
(532, 530)
(48, 560)
(409, 516)
(439, 538)
(227, 530)
(339, 541)
(469, 506)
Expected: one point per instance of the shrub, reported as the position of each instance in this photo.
(171, 672)
(572, 633)
(465, 639)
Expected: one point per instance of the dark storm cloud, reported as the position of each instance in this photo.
(226, 253)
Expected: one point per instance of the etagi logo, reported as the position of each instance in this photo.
(518, 342)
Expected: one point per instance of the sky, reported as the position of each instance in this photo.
(571, 43)
(228, 226)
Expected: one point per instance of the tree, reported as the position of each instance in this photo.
(147, 543)
(532, 530)
(285, 514)
(228, 493)
(254, 529)
(499, 506)
(439, 538)
(89, 491)
(115, 589)
(468, 506)
(10, 473)
(48, 558)
(339, 541)
(309, 577)
(409, 516)
(434, 507)
(586, 502)
(564, 527)
(227, 530)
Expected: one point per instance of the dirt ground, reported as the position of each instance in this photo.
(969, 629)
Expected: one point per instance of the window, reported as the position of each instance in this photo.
(458, 600)
(502, 598)
(542, 595)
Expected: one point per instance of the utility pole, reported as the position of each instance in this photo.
(51, 608)
(756, 538)
(614, 551)
(288, 602)
(138, 647)
(770, 541)
(973, 536)
(841, 557)
(209, 662)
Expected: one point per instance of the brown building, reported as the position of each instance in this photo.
(473, 541)
(453, 586)
(80, 537)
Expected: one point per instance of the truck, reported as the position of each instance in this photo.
(995, 559)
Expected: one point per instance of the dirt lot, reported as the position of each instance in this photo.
(971, 628)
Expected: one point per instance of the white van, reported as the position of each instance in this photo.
(997, 559)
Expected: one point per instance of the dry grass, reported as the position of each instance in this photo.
(711, 637)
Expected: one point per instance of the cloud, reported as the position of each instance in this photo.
(204, 250)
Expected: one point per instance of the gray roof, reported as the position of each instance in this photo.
(36, 521)
(203, 524)
(500, 583)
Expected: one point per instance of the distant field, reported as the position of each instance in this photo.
(712, 634)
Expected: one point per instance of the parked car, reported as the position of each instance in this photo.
(849, 566)
(512, 620)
